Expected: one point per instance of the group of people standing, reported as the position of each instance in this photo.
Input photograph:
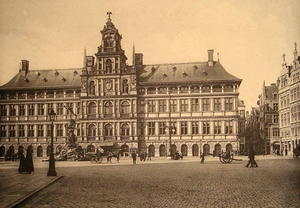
(26, 163)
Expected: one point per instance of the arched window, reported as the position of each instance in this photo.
(125, 86)
(125, 130)
(108, 66)
(91, 131)
(92, 109)
(92, 88)
(108, 109)
(108, 132)
(125, 108)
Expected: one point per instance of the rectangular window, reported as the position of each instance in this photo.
(151, 128)
(217, 127)
(173, 106)
(12, 131)
(162, 128)
(206, 104)
(78, 108)
(30, 131)
(12, 110)
(60, 109)
(49, 107)
(151, 106)
(21, 131)
(31, 109)
(3, 110)
(206, 127)
(48, 130)
(162, 106)
(40, 109)
(184, 127)
(3, 131)
(21, 110)
(229, 127)
(78, 130)
(228, 104)
(195, 128)
(195, 105)
(276, 132)
(59, 130)
(217, 104)
(184, 105)
(40, 129)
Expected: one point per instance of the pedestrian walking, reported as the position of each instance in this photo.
(202, 157)
(251, 157)
(133, 155)
(28, 160)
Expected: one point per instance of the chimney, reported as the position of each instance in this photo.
(24, 67)
(210, 57)
(138, 59)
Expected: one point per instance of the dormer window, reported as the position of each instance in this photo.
(164, 75)
(195, 67)
(56, 73)
(26, 80)
(44, 79)
(63, 79)
(204, 72)
(75, 72)
(174, 68)
(38, 73)
(184, 74)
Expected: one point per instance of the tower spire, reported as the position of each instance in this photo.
(84, 57)
(109, 19)
(133, 55)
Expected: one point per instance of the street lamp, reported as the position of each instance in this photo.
(171, 130)
(52, 171)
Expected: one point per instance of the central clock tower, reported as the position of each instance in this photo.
(108, 93)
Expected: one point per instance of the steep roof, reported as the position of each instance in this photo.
(186, 72)
(45, 79)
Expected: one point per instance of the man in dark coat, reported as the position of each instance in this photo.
(133, 155)
(251, 158)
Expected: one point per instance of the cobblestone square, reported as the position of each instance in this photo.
(275, 183)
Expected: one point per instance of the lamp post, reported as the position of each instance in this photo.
(52, 171)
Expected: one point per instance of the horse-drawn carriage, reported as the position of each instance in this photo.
(227, 157)
(99, 155)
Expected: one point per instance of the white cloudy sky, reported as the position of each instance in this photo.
(250, 36)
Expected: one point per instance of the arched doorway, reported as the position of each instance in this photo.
(184, 150)
(173, 149)
(206, 149)
(125, 150)
(2, 151)
(217, 150)
(39, 151)
(228, 147)
(195, 150)
(90, 148)
(276, 148)
(162, 150)
(151, 150)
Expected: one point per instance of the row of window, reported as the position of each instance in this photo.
(41, 131)
(187, 105)
(125, 129)
(295, 111)
(295, 93)
(36, 109)
(187, 89)
(41, 94)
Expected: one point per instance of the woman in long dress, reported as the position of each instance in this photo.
(29, 162)
(22, 166)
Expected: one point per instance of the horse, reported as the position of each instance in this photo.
(113, 154)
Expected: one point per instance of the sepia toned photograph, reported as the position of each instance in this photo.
(150, 103)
